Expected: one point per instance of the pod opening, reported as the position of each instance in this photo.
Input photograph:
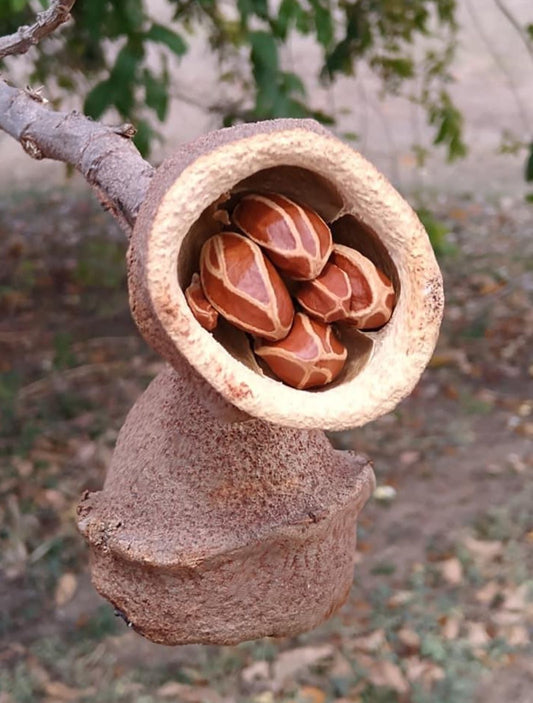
(311, 190)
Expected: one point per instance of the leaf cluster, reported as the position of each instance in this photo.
(103, 55)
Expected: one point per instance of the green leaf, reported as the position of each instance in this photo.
(260, 8)
(123, 77)
(144, 136)
(163, 35)
(529, 165)
(98, 100)
(285, 18)
(126, 16)
(437, 231)
(264, 54)
(156, 94)
(434, 648)
(291, 83)
(323, 22)
(18, 5)
(402, 67)
(322, 117)
(339, 60)
(253, 7)
(449, 120)
(529, 30)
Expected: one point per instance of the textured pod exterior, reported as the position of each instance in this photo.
(310, 355)
(201, 308)
(373, 297)
(244, 286)
(327, 297)
(216, 532)
(297, 239)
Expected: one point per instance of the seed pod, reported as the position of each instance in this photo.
(244, 287)
(373, 297)
(297, 240)
(200, 306)
(309, 356)
(327, 297)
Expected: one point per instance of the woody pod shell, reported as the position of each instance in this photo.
(209, 528)
(305, 162)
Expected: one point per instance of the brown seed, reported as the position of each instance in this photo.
(373, 297)
(297, 240)
(310, 355)
(244, 287)
(327, 297)
(200, 306)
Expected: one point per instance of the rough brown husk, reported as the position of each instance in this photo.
(208, 531)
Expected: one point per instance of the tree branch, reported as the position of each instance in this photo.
(104, 155)
(26, 37)
(516, 25)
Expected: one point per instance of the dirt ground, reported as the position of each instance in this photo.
(441, 607)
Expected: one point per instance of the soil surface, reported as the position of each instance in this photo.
(440, 609)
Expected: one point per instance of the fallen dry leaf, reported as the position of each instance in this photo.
(488, 592)
(257, 671)
(452, 571)
(409, 639)
(341, 668)
(38, 673)
(65, 589)
(185, 693)
(516, 599)
(50, 497)
(427, 672)
(451, 626)
(24, 467)
(370, 643)
(292, 661)
(476, 634)
(483, 550)
(61, 692)
(309, 694)
(409, 457)
(400, 598)
(507, 617)
(451, 357)
(516, 635)
(386, 673)
(265, 697)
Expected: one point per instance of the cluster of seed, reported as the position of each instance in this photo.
(244, 276)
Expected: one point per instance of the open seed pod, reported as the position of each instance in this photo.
(190, 199)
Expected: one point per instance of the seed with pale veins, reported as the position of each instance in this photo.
(240, 282)
(296, 238)
(200, 306)
(310, 355)
(373, 297)
(328, 296)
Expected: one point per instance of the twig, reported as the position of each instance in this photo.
(517, 26)
(521, 109)
(25, 37)
(104, 155)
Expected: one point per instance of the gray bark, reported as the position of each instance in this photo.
(104, 155)
(25, 37)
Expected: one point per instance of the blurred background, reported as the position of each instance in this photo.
(439, 95)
